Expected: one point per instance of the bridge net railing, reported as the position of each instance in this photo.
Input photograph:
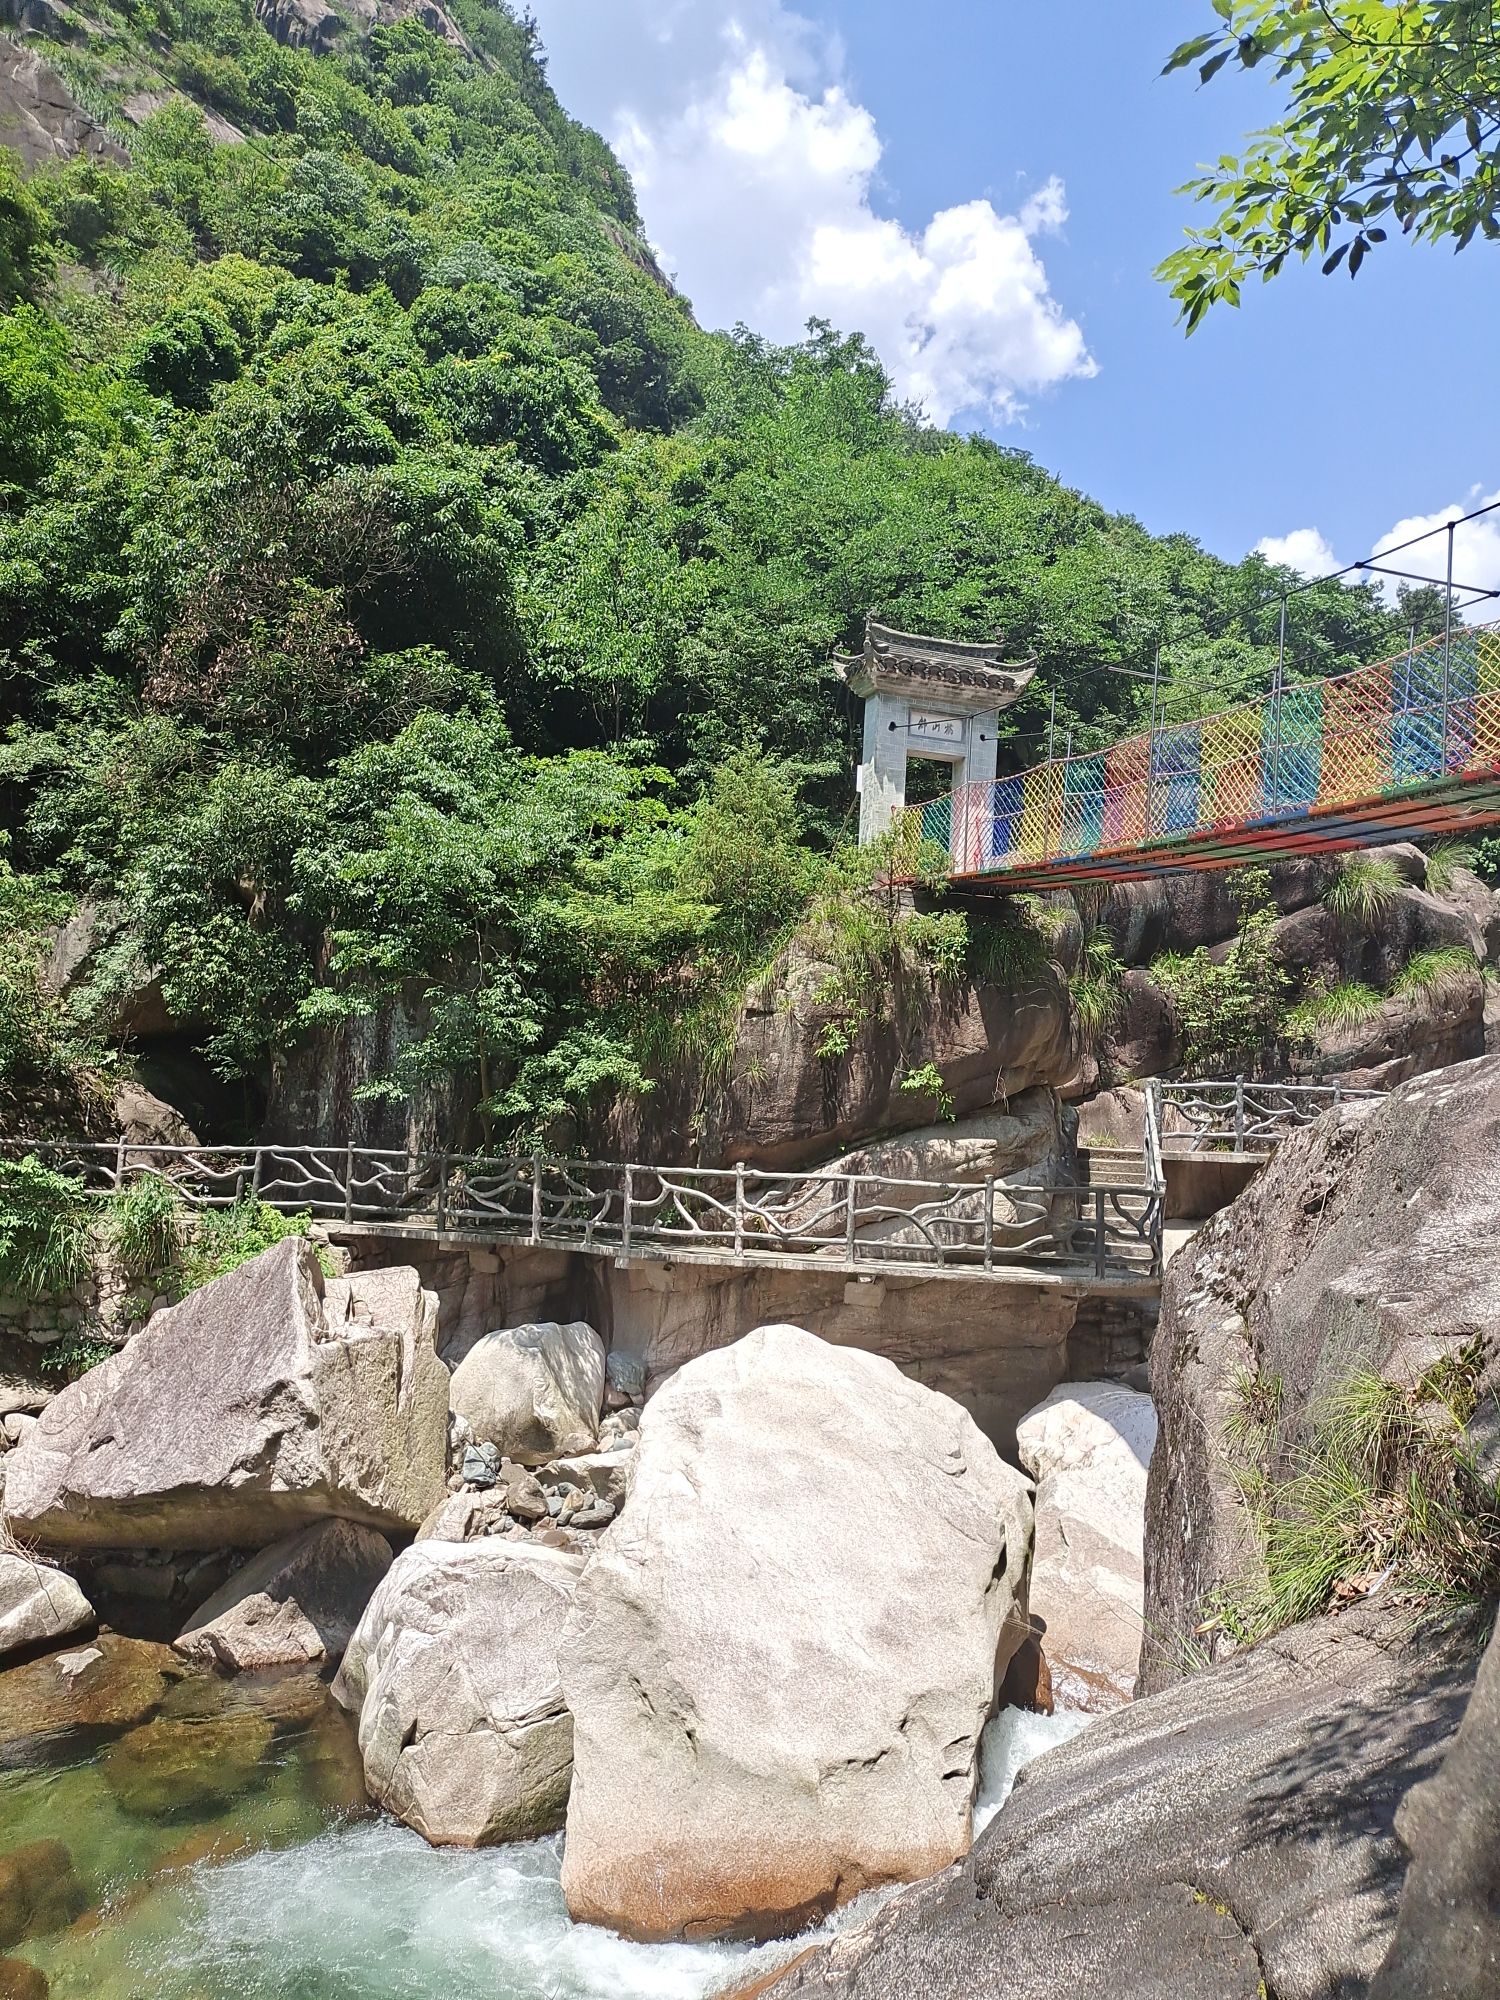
(721, 1214)
(1428, 714)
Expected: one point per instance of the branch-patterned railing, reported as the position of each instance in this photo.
(1236, 1116)
(738, 1215)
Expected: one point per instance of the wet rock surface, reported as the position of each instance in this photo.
(1229, 1838)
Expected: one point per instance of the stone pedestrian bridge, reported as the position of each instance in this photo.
(1102, 1233)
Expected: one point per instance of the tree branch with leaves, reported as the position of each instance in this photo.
(1392, 120)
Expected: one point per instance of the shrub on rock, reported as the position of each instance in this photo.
(452, 1673)
(263, 1402)
(782, 1654)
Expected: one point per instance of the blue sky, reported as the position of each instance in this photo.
(984, 189)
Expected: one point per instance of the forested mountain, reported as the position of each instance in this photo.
(400, 595)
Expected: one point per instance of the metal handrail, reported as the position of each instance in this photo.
(740, 1215)
(1249, 1117)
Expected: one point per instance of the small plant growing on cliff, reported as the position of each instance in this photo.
(1095, 985)
(74, 1355)
(1227, 1012)
(1334, 1010)
(225, 1238)
(1365, 889)
(45, 1229)
(1443, 973)
(144, 1224)
(1386, 1495)
(1444, 859)
(928, 1082)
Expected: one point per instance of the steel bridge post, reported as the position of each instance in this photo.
(1447, 651)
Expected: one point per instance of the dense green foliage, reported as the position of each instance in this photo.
(1230, 1011)
(405, 606)
(1393, 117)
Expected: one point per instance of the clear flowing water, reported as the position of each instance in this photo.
(221, 1853)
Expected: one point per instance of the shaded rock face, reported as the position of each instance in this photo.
(785, 1106)
(765, 1723)
(1366, 1243)
(255, 1406)
(314, 1087)
(1410, 1033)
(293, 1603)
(315, 25)
(535, 1392)
(1088, 1447)
(453, 1676)
(1447, 1943)
(38, 1604)
(39, 117)
(1229, 1838)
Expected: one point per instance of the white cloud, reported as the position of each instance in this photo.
(1305, 550)
(1476, 548)
(757, 175)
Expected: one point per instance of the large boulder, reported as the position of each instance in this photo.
(453, 1676)
(263, 1402)
(1364, 1244)
(782, 1654)
(38, 1604)
(1228, 1839)
(1447, 1943)
(297, 1601)
(536, 1392)
(1087, 1447)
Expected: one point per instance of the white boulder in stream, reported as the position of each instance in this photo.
(1088, 1446)
(452, 1673)
(534, 1391)
(38, 1604)
(782, 1654)
(265, 1401)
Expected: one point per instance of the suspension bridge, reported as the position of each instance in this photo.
(1407, 748)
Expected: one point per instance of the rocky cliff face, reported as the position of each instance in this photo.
(39, 116)
(1415, 1027)
(781, 1100)
(1365, 1244)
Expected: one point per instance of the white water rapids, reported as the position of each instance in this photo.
(371, 1912)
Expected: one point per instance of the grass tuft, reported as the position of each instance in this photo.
(1386, 1496)
(1332, 1010)
(1365, 889)
(143, 1222)
(1444, 859)
(1440, 974)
